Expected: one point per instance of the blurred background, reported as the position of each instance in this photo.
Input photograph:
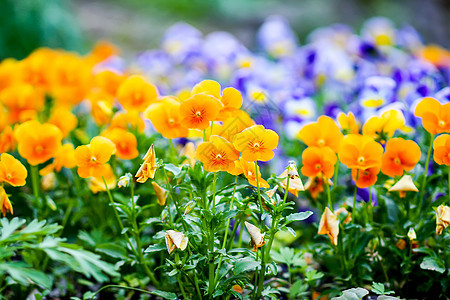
(136, 25)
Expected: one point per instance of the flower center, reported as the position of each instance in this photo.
(9, 176)
(397, 161)
(198, 113)
(361, 160)
(256, 145)
(218, 156)
(321, 142)
(441, 123)
(318, 166)
(39, 149)
(93, 159)
(171, 121)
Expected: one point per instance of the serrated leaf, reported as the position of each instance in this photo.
(431, 263)
(21, 273)
(244, 265)
(8, 227)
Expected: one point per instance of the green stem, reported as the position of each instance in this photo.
(424, 180)
(138, 251)
(120, 287)
(180, 283)
(286, 191)
(261, 210)
(328, 193)
(226, 231)
(370, 212)
(263, 262)
(354, 198)
(211, 241)
(336, 171)
(35, 184)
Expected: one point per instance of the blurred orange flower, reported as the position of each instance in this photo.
(148, 167)
(435, 116)
(400, 155)
(64, 120)
(108, 82)
(365, 178)
(217, 155)
(92, 159)
(38, 142)
(323, 133)
(9, 72)
(348, 123)
(135, 93)
(329, 225)
(233, 125)
(65, 157)
(96, 184)
(441, 147)
(314, 185)
(23, 102)
(436, 55)
(165, 117)
(250, 172)
(126, 142)
(360, 152)
(318, 161)
(34, 68)
(7, 140)
(5, 204)
(197, 111)
(256, 143)
(12, 171)
(128, 120)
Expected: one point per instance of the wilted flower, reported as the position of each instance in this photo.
(344, 211)
(412, 234)
(257, 239)
(48, 181)
(175, 240)
(161, 193)
(5, 204)
(124, 180)
(295, 183)
(405, 184)
(148, 168)
(442, 218)
(329, 225)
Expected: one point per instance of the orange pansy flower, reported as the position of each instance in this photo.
(135, 93)
(233, 125)
(148, 167)
(34, 68)
(5, 204)
(7, 140)
(64, 120)
(128, 120)
(323, 133)
(365, 178)
(436, 55)
(65, 157)
(165, 117)
(126, 142)
(9, 72)
(318, 161)
(101, 51)
(441, 147)
(12, 171)
(435, 116)
(217, 155)
(38, 142)
(256, 143)
(250, 172)
(400, 155)
(314, 185)
(91, 159)
(348, 122)
(197, 111)
(108, 82)
(360, 152)
(23, 101)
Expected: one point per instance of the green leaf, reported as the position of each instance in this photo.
(378, 288)
(165, 295)
(297, 289)
(8, 227)
(352, 294)
(155, 248)
(24, 275)
(112, 250)
(431, 263)
(298, 216)
(244, 265)
(172, 168)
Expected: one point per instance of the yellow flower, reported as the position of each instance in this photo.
(329, 225)
(5, 204)
(257, 239)
(442, 218)
(175, 240)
